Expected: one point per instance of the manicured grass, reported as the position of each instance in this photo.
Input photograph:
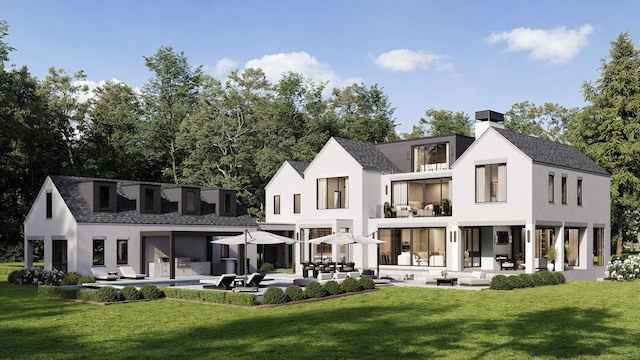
(575, 320)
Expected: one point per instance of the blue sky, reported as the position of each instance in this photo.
(453, 55)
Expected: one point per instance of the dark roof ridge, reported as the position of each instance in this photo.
(367, 155)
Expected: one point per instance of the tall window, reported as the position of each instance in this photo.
(413, 246)
(224, 251)
(49, 205)
(430, 157)
(333, 193)
(98, 252)
(104, 197)
(150, 201)
(227, 203)
(296, 203)
(579, 192)
(564, 190)
(552, 190)
(122, 251)
(598, 247)
(491, 183)
(191, 202)
(276, 204)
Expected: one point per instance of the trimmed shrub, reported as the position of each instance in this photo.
(107, 294)
(130, 293)
(87, 295)
(266, 267)
(86, 279)
(537, 279)
(350, 285)
(240, 299)
(70, 278)
(15, 275)
(274, 295)
(525, 280)
(314, 290)
(150, 291)
(294, 292)
(547, 277)
(500, 282)
(332, 287)
(366, 283)
(559, 278)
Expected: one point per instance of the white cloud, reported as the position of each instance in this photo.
(223, 67)
(302, 63)
(92, 85)
(556, 46)
(405, 60)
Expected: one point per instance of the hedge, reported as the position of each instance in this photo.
(501, 282)
(210, 296)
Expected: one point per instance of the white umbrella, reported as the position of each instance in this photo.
(257, 237)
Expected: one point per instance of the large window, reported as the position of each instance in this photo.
(417, 194)
(333, 193)
(122, 251)
(430, 157)
(491, 183)
(49, 206)
(552, 189)
(472, 252)
(320, 252)
(276, 204)
(98, 252)
(572, 247)
(296, 203)
(413, 246)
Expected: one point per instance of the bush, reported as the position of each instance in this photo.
(366, 283)
(332, 287)
(130, 293)
(350, 285)
(526, 280)
(37, 276)
(294, 292)
(547, 277)
(274, 295)
(266, 267)
(86, 279)
(537, 279)
(107, 294)
(500, 282)
(559, 278)
(15, 275)
(71, 278)
(314, 290)
(623, 269)
(150, 291)
(240, 299)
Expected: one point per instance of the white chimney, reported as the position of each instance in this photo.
(486, 119)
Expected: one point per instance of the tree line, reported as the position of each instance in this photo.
(187, 127)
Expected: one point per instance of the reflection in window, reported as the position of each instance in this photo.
(296, 203)
(333, 193)
(122, 251)
(276, 204)
(98, 252)
(413, 246)
(430, 157)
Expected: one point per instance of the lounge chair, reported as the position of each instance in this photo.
(224, 282)
(100, 273)
(127, 272)
(254, 280)
(476, 278)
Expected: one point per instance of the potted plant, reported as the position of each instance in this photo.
(446, 206)
(551, 257)
(162, 257)
(393, 212)
(567, 254)
(387, 209)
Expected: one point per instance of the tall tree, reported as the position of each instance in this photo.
(441, 122)
(609, 129)
(364, 114)
(170, 97)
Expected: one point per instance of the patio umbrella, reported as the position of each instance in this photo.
(257, 237)
(347, 238)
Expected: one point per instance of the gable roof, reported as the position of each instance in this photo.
(552, 153)
(298, 166)
(68, 187)
(368, 155)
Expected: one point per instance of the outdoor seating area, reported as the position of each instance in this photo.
(311, 269)
(127, 272)
(101, 273)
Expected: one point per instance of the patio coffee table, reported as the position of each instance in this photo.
(446, 281)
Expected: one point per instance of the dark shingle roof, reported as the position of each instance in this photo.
(299, 166)
(368, 155)
(552, 153)
(68, 186)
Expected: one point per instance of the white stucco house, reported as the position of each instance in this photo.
(162, 230)
(495, 202)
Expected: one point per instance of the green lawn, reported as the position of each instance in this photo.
(576, 320)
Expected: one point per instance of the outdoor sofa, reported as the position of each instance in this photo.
(127, 272)
(101, 273)
(476, 278)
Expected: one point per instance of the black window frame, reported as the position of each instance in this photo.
(97, 253)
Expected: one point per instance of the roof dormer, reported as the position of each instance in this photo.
(101, 195)
(188, 199)
(147, 196)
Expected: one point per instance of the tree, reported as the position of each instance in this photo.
(549, 121)
(363, 114)
(170, 97)
(441, 122)
(609, 129)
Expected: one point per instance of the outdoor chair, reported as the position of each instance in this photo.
(101, 273)
(254, 280)
(223, 282)
(127, 272)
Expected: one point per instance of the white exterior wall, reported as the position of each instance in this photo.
(61, 226)
(286, 182)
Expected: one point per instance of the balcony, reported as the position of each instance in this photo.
(418, 209)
